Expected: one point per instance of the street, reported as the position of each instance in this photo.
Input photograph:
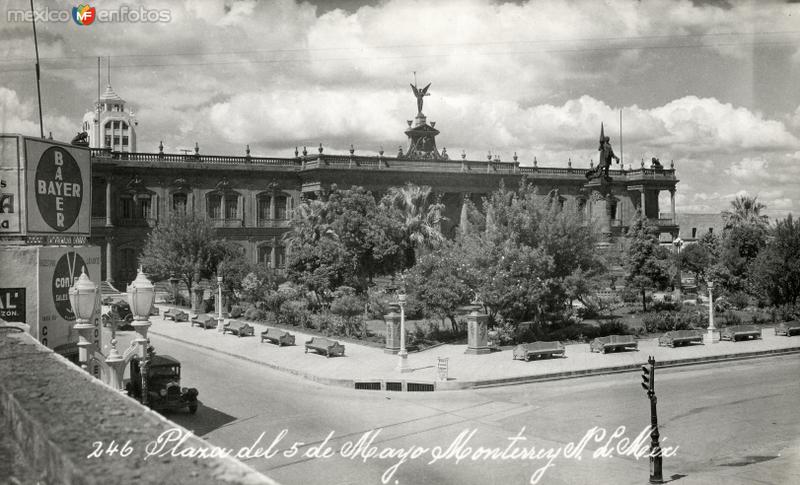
(731, 423)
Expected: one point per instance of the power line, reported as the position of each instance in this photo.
(446, 44)
(418, 56)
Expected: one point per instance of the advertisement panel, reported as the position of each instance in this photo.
(59, 267)
(58, 182)
(10, 196)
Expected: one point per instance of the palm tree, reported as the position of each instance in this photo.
(420, 218)
(745, 211)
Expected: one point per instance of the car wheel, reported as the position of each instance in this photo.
(193, 408)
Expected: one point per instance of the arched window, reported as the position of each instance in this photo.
(280, 207)
(265, 255)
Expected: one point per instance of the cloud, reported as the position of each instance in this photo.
(19, 117)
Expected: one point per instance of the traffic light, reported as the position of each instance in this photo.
(647, 378)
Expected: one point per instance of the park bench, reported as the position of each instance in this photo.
(326, 346)
(238, 328)
(736, 332)
(534, 350)
(176, 315)
(204, 321)
(613, 343)
(675, 338)
(787, 328)
(276, 336)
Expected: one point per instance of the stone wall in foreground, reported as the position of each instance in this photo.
(55, 412)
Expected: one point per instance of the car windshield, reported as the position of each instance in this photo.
(165, 371)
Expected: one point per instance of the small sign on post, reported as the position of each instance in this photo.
(441, 368)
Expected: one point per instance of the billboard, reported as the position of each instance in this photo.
(10, 195)
(59, 268)
(58, 188)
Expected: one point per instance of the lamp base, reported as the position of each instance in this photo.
(711, 337)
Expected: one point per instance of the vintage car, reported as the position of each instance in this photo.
(120, 312)
(164, 389)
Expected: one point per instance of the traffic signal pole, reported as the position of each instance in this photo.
(648, 383)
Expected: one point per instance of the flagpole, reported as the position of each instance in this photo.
(621, 159)
(38, 75)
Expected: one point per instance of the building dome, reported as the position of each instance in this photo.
(110, 95)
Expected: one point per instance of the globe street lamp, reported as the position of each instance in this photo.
(83, 299)
(141, 294)
(709, 337)
(678, 243)
(220, 327)
(402, 364)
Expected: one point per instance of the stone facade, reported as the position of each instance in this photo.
(251, 199)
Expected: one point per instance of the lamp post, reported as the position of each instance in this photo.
(678, 242)
(140, 297)
(83, 299)
(709, 337)
(402, 364)
(220, 328)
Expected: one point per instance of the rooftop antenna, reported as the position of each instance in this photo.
(109, 69)
(38, 73)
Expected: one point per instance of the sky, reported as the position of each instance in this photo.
(709, 86)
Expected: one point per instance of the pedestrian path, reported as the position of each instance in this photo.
(368, 367)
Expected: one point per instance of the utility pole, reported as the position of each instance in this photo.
(649, 385)
(38, 74)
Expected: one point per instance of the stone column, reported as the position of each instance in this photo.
(273, 256)
(392, 333)
(606, 226)
(109, 257)
(672, 203)
(477, 338)
(643, 207)
(108, 202)
(463, 222)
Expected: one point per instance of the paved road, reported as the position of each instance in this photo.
(733, 423)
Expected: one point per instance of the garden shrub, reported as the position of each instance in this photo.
(730, 319)
(666, 321)
(255, 314)
(614, 327)
(739, 300)
(295, 313)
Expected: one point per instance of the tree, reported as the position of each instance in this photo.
(349, 307)
(520, 259)
(647, 262)
(775, 272)
(184, 247)
(695, 258)
(437, 282)
(745, 211)
(420, 219)
(344, 240)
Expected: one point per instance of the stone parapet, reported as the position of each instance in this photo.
(56, 412)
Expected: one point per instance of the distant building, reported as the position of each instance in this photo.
(251, 199)
(109, 126)
(692, 227)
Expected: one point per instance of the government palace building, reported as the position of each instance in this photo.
(251, 199)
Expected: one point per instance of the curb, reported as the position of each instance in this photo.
(510, 381)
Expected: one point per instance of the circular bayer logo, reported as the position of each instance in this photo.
(67, 270)
(59, 188)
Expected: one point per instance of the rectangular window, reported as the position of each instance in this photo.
(215, 207)
(116, 141)
(280, 257)
(116, 125)
(263, 208)
(179, 203)
(127, 208)
(124, 141)
(694, 232)
(264, 255)
(280, 208)
(107, 141)
(144, 207)
(231, 207)
(711, 230)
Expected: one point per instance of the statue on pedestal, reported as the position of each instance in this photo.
(420, 94)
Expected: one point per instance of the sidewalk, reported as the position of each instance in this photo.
(364, 364)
